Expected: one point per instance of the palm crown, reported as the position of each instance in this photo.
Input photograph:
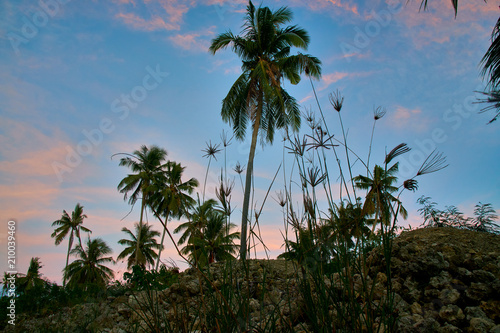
(257, 95)
(89, 267)
(147, 245)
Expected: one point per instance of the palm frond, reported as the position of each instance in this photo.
(493, 98)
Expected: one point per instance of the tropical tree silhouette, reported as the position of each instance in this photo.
(147, 245)
(171, 196)
(198, 219)
(146, 164)
(217, 243)
(33, 278)
(207, 236)
(90, 265)
(379, 200)
(257, 96)
(69, 225)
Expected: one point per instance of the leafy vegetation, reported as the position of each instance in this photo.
(451, 216)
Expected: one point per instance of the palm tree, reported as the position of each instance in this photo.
(207, 235)
(89, 267)
(171, 196)
(257, 95)
(218, 242)
(198, 220)
(147, 245)
(33, 277)
(69, 225)
(379, 199)
(146, 163)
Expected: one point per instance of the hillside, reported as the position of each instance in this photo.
(445, 280)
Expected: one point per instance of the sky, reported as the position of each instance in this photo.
(81, 81)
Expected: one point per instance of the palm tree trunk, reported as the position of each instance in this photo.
(79, 238)
(137, 255)
(248, 181)
(70, 243)
(161, 243)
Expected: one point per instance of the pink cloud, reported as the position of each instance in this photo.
(163, 15)
(333, 77)
(438, 23)
(328, 79)
(193, 41)
(344, 5)
(152, 24)
(408, 119)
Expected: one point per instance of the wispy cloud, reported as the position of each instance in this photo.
(146, 15)
(321, 5)
(409, 119)
(195, 41)
(438, 24)
(328, 79)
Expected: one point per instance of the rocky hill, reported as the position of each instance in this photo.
(445, 280)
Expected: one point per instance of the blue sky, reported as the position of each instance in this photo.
(82, 81)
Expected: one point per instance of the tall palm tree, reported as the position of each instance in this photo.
(69, 225)
(379, 200)
(258, 95)
(147, 245)
(171, 197)
(145, 163)
(89, 267)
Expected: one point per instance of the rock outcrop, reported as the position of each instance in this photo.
(444, 279)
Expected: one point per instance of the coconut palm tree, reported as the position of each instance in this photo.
(171, 196)
(257, 96)
(69, 225)
(198, 219)
(218, 242)
(147, 245)
(207, 236)
(145, 163)
(33, 277)
(379, 200)
(89, 267)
